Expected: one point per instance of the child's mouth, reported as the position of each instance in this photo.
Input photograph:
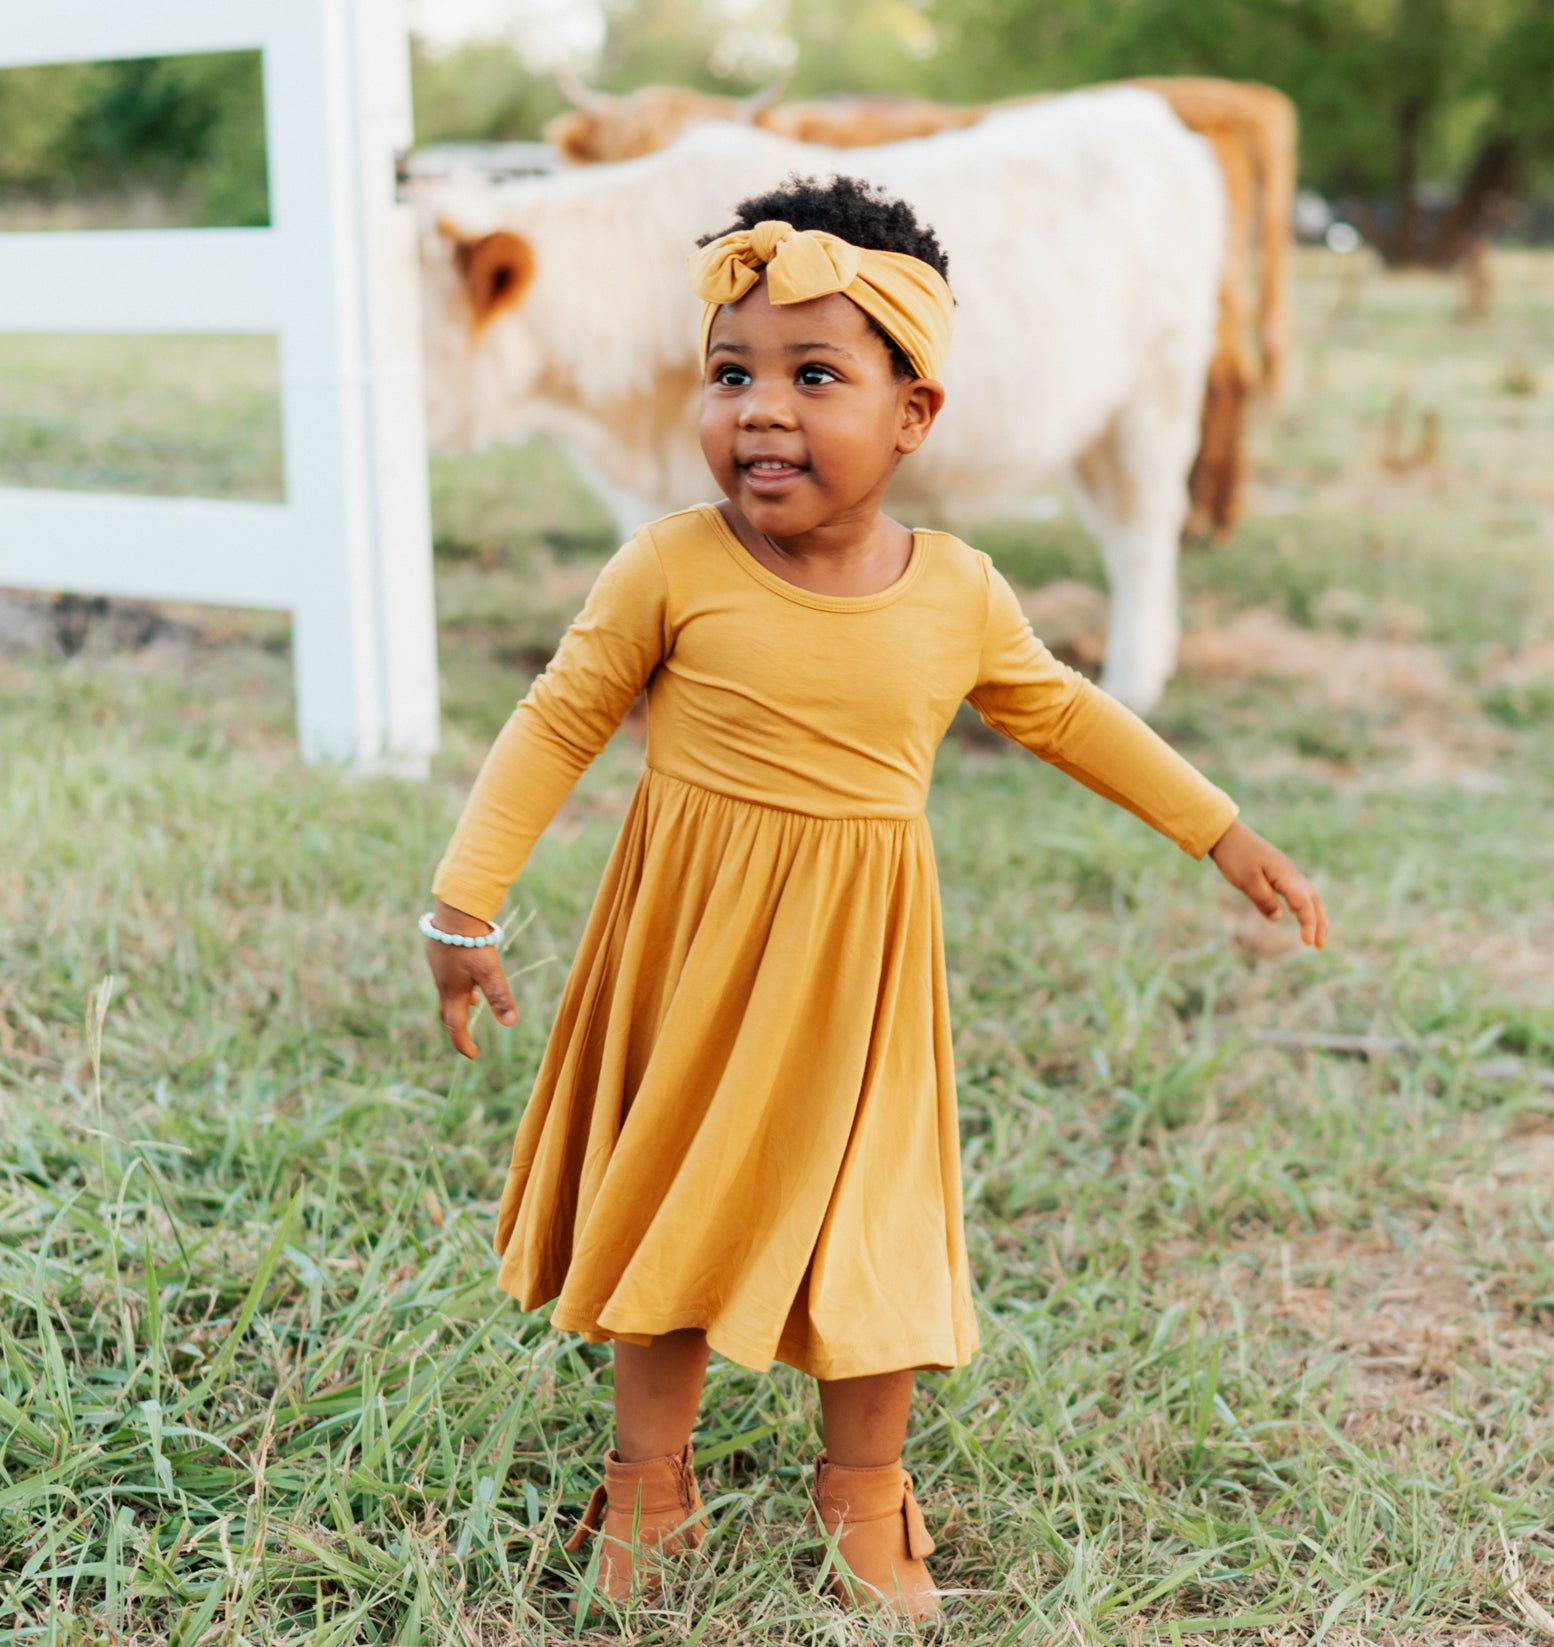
(770, 477)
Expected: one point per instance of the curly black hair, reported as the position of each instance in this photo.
(853, 210)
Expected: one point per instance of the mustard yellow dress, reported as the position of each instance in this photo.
(745, 1118)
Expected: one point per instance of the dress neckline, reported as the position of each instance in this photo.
(810, 597)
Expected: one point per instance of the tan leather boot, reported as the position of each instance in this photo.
(654, 1499)
(882, 1537)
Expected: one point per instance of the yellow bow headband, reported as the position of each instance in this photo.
(907, 297)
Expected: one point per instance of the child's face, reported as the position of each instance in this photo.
(803, 420)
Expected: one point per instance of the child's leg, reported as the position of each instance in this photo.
(864, 1497)
(657, 1392)
(648, 1502)
(865, 1419)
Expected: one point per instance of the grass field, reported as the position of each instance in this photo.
(1269, 1332)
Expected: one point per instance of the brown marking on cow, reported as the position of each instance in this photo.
(1215, 484)
(1252, 129)
(641, 122)
(1257, 124)
(497, 269)
(645, 426)
(866, 122)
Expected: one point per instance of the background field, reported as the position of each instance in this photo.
(1269, 1333)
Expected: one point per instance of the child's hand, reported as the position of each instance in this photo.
(1260, 870)
(464, 975)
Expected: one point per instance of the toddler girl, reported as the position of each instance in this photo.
(743, 1134)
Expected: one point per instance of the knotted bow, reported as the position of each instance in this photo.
(907, 297)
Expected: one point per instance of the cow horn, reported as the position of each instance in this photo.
(757, 103)
(581, 96)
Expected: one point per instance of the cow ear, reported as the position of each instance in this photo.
(497, 270)
(571, 135)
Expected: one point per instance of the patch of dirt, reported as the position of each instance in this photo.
(96, 625)
(1366, 660)
(1070, 617)
(24, 624)
(1253, 936)
(1259, 644)
(1455, 760)
(1520, 962)
(1431, 725)
(566, 583)
(1402, 1316)
(1530, 666)
(1533, 1160)
(1405, 1319)
(1515, 955)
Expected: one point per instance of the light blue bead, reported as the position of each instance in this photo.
(459, 940)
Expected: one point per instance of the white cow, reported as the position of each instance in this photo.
(1085, 236)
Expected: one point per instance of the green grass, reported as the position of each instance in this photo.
(1269, 1337)
(180, 414)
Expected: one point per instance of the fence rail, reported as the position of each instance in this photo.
(334, 279)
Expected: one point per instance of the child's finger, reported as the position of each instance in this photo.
(1263, 894)
(454, 1008)
(1305, 906)
(492, 982)
(1321, 939)
(1302, 901)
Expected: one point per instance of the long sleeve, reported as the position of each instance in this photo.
(568, 716)
(1025, 693)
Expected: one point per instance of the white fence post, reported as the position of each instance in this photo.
(334, 277)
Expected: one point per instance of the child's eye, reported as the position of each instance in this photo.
(811, 376)
(733, 377)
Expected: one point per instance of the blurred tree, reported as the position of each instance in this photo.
(190, 128)
(1513, 78)
(479, 93)
(36, 107)
(875, 46)
(1391, 92)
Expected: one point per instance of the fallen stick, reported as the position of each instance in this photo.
(1380, 1046)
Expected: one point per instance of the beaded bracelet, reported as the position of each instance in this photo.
(458, 940)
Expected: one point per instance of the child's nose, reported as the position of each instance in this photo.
(766, 408)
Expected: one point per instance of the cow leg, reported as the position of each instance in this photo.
(1218, 476)
(1131, 491)
(1214, 486)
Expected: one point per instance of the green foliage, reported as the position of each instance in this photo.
(866, 46)
(479, 94)
(1517, 69)
(37, 106)
(1384, 87)
(190, 127)
(1388, 90)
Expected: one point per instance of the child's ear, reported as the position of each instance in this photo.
(921, 400)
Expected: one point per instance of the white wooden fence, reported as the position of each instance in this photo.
(348, 552)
